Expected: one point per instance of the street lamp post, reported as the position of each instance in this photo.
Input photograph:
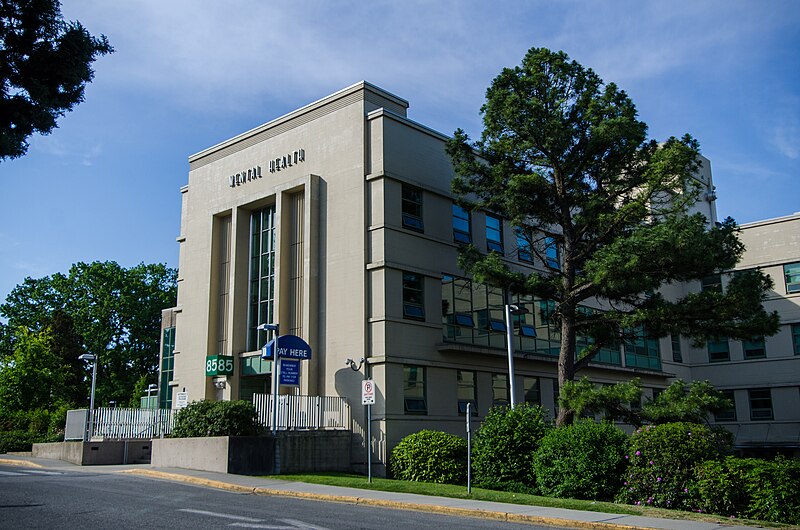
(357, 367)
(91, 357)
(512, 309)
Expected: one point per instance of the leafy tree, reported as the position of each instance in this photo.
(33, 376)
(103, 309)
(562, 155)
(679, 402)
(45, 64)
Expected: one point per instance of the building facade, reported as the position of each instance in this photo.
(336, 221)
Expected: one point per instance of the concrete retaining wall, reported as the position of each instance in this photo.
(96, 453)
(298, 452)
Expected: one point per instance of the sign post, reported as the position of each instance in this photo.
(469, 447)
(368, 399)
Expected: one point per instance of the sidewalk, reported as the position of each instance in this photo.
(404, 501)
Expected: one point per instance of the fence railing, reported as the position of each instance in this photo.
(304, 412)
(120, 423)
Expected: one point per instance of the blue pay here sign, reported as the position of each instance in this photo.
(290, 372)
(289, 347)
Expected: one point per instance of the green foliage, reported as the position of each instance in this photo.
(768, 490)
(581, 461)
(217, 418)
(46, 66)
(662, 461)
(505, 445)
(20, 429)
(613, 401)
(685, 403)
(98, 308)
(563, 152)
(430, 456)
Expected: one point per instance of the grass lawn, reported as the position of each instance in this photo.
(460, 492)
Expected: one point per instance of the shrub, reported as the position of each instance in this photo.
(502, 455)
(217, 418)
(662, 459)
(430, 456)
(747, 487)
(20, 429)
(581, 461)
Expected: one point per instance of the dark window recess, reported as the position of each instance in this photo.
(412, 208)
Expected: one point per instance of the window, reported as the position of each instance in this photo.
(462, 232)
(760, 404)
(641, 350)
(728, 414)
(467, 392)
(413, 296)
(412, 208)
(500, 390)
(552, 255)
(791, 275)
(712, 283)
(718, 351)
(167, 368)
(533, 391)
(414, 401)
(754, 349)
(262, 275)
(796, 338)
(494, 233)
(523, 244)
(677, 356)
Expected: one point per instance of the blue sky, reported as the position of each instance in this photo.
(188, 74)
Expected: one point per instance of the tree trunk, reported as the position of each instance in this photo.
(566, 359)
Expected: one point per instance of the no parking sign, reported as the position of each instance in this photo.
(367, 392)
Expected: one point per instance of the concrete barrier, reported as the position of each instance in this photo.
(108, 452)
(297, 452)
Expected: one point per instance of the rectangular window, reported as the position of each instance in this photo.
(533, 391)
(412, 208)
(262, 276)
(494, 233)
(712, 283)
(641, 350)
(791, 275)
(413, 296)
(167, 367)
(796, 338)
(414, 398)
(754, 349)
(760, 404)
(462, 232)
(718, 351)
(523, 244)
(467, 391)
(552, 256)
(500, 390)
(730, 413)
(677, 356)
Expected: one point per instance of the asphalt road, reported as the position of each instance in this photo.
(44, 498)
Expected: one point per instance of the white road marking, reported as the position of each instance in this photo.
(301, 524)
(39, 472)
(11, 474)
(221, 515)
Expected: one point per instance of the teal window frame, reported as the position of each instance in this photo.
(719, 350)
(494, 233)
(791, 277)
(675, 341)
(796, 338)
(524, 250)
(411, 206)
(552, 253)
(462, 225)
(167, 367)
(262, 275)
(754, 349)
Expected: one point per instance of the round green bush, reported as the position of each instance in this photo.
(662, 461)
(768, 490)
(504, 447)
(217, 418)
(430, 456)
(585, 460)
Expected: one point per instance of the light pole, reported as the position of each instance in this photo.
(150, 388)
(357, 367)
(512, 309)
(275, 371)
(91, 357)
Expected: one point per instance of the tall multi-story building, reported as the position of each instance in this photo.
(336, 221)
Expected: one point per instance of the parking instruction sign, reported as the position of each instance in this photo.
(367, 392)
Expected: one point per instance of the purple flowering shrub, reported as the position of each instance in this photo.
(661, 464)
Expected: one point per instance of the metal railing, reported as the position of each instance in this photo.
(121, 423)
(304, 412)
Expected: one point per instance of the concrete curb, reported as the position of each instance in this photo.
(21, 463)
(399, 505)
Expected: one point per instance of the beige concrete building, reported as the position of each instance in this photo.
(336, 222)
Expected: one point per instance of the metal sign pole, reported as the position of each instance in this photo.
(369, 443)
(469, 448)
